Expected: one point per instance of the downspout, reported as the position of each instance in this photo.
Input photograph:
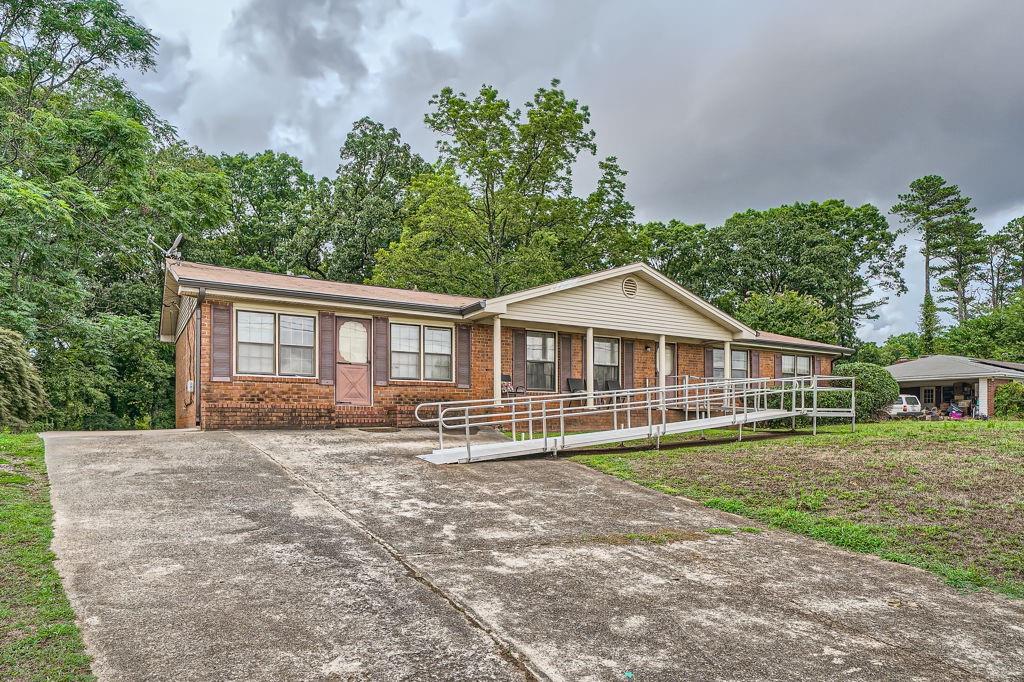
(199, 354)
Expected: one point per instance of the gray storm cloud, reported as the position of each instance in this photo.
(712, 107)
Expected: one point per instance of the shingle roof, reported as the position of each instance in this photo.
(782, 339)
(199, 273)
(949, 367)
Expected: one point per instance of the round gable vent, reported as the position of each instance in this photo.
(629, 287)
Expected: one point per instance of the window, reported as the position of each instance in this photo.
(929, 396)
(405, 351)
(295, 338)
(437, 353)
(606, 362)
(740, 362)
(670, 357)
(796, 365)
(353, 343)
(411, 359)
(255, 333)
(718, 363)
(540, 361)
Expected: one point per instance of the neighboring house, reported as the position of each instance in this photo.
(938, 380)
(265, 350)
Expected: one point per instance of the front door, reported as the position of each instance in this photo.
(352, 378)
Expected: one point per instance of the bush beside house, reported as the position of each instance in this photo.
(875, 387)
(22, 397)
(1009, 401)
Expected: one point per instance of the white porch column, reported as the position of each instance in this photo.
(728, 360)
(496, 358)
(983, 396)
(662, 364)
(589, 352)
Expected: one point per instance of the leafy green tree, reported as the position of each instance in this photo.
(792, 314)
(269, 192)
(360, 211)
(1009, 401)
(869, 351)
(844, 256)
(907, 345)
(960, 249)
(998, 335)
(22, 396)
(692, 255)
(928, 325)
(498, 214)
(1013, 234)
(929, 204)
(998, 270)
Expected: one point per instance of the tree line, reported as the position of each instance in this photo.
(91, 175)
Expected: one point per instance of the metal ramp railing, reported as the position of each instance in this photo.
(538, 422)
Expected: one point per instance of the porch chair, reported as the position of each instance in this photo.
(576, 386)
(509, 389)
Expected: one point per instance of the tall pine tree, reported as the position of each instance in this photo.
(960, 250)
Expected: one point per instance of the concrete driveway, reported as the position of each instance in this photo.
(339, 555)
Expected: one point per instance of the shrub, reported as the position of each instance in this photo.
(876, 388)
(22, 397)
(1009, 402)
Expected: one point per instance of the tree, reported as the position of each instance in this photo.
(360, 211)
(1013, 234)
(22, 397)
(691, 255)
(907, 345)
(498, 214)
(997, 271)
(844, 256)
(925, 208)
(269, 191)
(791, 314)
(960, 249)
(929, 325)
(998, 334)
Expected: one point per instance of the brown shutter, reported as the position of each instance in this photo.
(463, 356)
(583, 345)
(627, 364)
(817, 365)
(327, 347)
(564, 361)
(755, 364)
(778, 365)
(519, 357)
(220, 342)
(381, 330)
(709, 362)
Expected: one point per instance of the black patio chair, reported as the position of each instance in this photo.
(576, 386)
(613, 385)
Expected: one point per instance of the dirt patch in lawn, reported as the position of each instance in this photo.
(945, 497)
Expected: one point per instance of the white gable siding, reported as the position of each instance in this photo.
(603, 305)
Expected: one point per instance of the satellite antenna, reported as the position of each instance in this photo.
(173, 251)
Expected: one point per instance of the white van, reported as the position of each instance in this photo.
(905, 406)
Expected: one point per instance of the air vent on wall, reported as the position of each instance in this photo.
(629, 287)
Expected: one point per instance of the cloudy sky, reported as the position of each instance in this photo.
(712, 107)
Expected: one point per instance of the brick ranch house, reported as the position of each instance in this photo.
(260, 350)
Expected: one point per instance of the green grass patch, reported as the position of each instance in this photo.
(38, 636)
(943, 496)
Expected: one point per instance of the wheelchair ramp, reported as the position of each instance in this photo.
(577, 441)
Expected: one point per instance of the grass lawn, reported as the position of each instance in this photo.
(944, 496)
(38, 636)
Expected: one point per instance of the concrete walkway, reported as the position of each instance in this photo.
(339, 555)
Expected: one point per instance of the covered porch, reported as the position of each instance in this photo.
(970, 395)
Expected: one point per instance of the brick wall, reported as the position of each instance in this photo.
(994, 384)
(297, 402)
(184, 370)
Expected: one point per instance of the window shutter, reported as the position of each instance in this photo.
(327, 347)
(583, 345)
(817, 365)
(519, 357)
(463, 356)
(565, 360)
(755, 364)
(709, 362)
(380, 351)
(627, 364)
(220, 342)
(778, 365)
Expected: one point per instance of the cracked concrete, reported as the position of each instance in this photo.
(339, 555)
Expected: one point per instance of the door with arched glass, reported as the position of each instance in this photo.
(352, 379)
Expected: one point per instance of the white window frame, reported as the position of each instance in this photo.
(714, 363)
(276, 312)
(732, 364)
(925, 390)
(543, 332)
(593, 355)
(423, 326)
(451, 353)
